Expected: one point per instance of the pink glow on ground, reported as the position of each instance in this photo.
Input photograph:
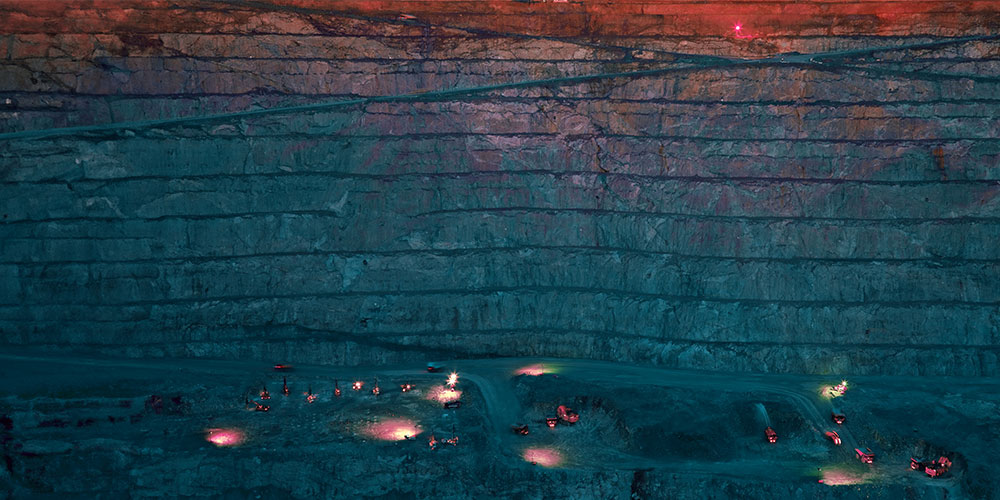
(225, 437)
(546, 457)
(443, 394)
(393, 429)
(533, 370)
(835, 477)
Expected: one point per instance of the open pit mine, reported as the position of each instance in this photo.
(513, 249)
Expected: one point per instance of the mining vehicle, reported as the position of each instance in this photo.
(434, 443)
(772, 437)
(449, 405)
(521, 429)
(838, 416)
(567, 414)
(933, 468)
(433, 367)
(256, 406)
(841, 388)
(833, 436)
(867, 456)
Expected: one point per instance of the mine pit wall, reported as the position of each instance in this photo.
(831, 217)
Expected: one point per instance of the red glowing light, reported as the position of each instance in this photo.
(357, 385)
(225, 437)
(393, 429)
(452, 379)
(546, 457)
(738, 31)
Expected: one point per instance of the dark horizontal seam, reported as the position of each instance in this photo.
(504, 210)
(951, 261)
(312, 333)
(557, 174)
(536, 290)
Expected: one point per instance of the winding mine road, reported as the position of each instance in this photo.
(492, 377)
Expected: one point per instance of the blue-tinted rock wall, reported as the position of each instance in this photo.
(840, 214)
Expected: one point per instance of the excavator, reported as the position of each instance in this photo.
(256, 405)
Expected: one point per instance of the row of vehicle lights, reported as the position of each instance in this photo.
(357, 386)
(224, 437)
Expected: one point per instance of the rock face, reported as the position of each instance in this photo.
(634, 182)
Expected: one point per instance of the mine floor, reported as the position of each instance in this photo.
(73, 425)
